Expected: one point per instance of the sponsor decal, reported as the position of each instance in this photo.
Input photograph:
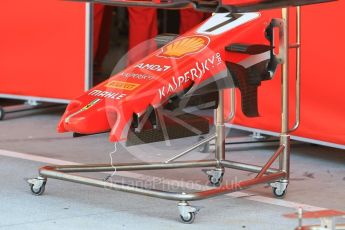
(107, 94)
(138, 76)
(92, 103)
(184, 46)
(194, 73)
(122, 85)
(153, 67)
(223, 22)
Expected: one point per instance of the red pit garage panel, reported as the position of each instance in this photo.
(42, 49)
(322, 84)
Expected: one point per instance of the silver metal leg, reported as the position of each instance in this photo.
(280, 187)
(216, 175)
(285, 137)
(220, 129)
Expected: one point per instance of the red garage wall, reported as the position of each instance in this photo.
(42, 48)
(323, 81)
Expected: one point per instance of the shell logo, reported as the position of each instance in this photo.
(185, 46)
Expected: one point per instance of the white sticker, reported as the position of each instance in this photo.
(106, 94)
(153, 67)
(222, 22)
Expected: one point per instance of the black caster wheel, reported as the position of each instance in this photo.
(37, 186)
(37, 191)
(214, 181)
(2, 113)
(279, 193)
(189, 219)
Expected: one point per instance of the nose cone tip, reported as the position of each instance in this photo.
(60, 128)
(85, 122)
(112, 139)
(77, 124)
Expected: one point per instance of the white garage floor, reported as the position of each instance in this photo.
(29, 142)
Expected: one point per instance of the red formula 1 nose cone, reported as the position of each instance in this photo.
(196, 59)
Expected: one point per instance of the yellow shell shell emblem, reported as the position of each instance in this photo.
(184, 46)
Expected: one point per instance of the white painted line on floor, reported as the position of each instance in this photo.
(36, 158)
(170, 182)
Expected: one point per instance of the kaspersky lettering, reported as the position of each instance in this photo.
(196, 72)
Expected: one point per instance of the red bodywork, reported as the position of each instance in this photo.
(192, 60)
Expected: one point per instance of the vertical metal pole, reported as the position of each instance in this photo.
(284, 161)
(88, 81)
(298, 66)
(298, 69)
(220, 129)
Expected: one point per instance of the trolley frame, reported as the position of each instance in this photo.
(277, 177)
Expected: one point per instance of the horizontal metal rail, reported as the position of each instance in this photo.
(51, 173)
(157, 166)
(130, 166)
(245, 167)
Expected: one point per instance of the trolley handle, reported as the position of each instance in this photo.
(297, 46)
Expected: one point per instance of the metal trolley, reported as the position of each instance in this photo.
(278, 178)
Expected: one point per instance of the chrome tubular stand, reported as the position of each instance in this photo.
(277, 178)
(284, 158)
